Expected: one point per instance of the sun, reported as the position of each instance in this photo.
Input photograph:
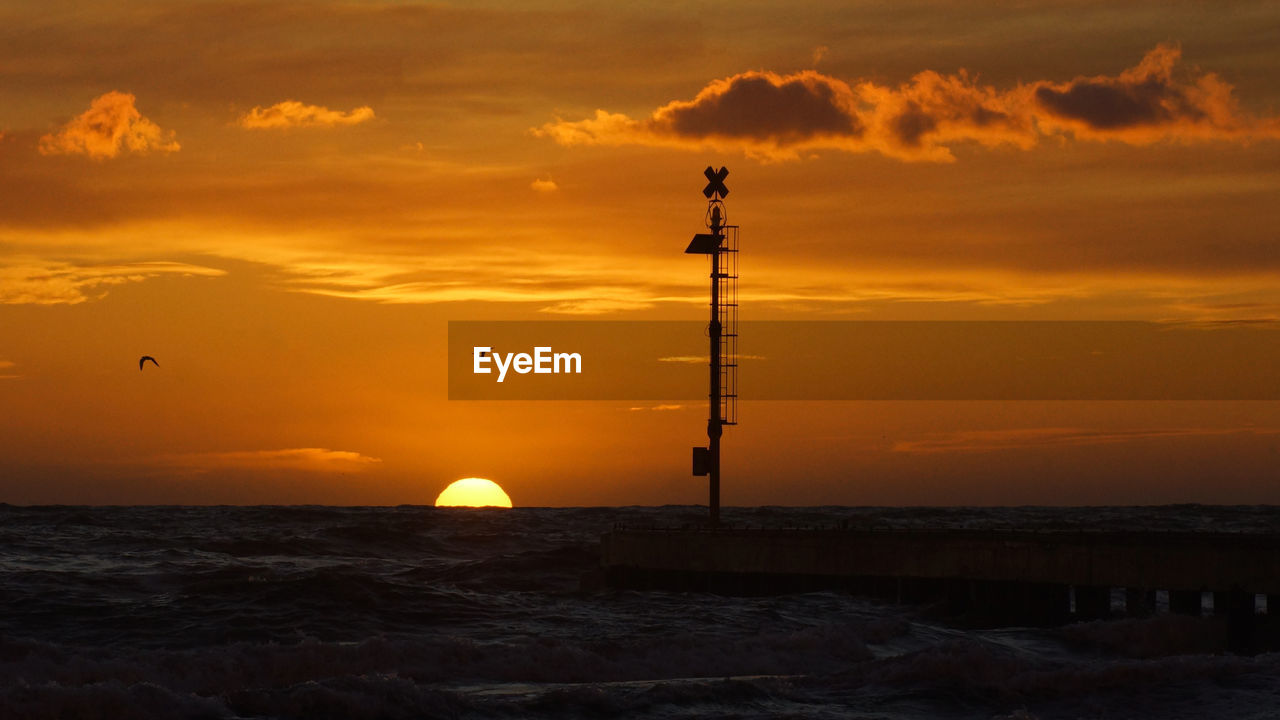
(473, 492)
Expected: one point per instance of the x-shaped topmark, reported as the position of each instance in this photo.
(716, 187)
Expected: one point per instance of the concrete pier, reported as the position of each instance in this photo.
(1020, 577)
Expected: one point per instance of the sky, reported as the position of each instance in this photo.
(286, 203)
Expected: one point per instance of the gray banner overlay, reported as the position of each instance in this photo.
(655, 361)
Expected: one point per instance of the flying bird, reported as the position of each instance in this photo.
(145, 358)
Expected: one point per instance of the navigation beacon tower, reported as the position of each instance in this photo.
(721, 243)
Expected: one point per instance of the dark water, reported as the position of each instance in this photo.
(411, 612)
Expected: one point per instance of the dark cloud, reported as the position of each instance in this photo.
(777, 116)
(1156, 100)
(912, 124)
(765, 107)
(1109, 104)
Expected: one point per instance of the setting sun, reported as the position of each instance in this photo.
(473, 492)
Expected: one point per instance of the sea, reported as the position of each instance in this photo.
(422, 612)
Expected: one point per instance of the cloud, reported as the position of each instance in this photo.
(554, 281)
(544, 186)
(765, 107)
(702, 359)
(974, 441)
(291, 114)
(321, 460)
(6, 365)
(765, 114)
(656, 408)
(111, 125)
(686, 359)
(921, 119)
(595, 306)
(1157, 100)
(34, 281)
(559, 283)
(569, 283)
(780, 117)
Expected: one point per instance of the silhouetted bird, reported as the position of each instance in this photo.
(146, 358)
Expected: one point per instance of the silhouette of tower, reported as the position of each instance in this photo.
(722, 245)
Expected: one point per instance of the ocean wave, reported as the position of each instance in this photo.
(415, 612)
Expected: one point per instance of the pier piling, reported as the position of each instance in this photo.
(1002, 577)
(1185, 602)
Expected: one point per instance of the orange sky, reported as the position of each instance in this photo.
(286, 203)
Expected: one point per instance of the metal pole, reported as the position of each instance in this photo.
(708, 462)
(714, 428)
